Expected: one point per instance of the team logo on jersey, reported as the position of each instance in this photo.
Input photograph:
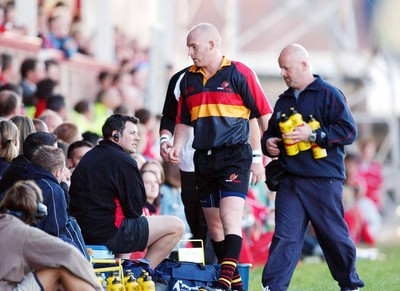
(224, 86)
(189, 90)
(233, 179)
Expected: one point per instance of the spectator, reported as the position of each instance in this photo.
(7, 69)
(36, 260)
(152, 188)
(57, 103)
(19, 167)
(9, 144)
(105, 80)
(67, 132)
(10, 22)
(14, 88)
(40, 125)
(156, 167)
(131, 97)
(361, 214)
(123, 109)
(171, 201)
(58, 35)
(52, 69)
(148, 119)
(91, 137)
(151, 207)
(108, 101)
(2, 18)
(25, 127)
(82, 41)
(98, 183)
(140, 159)
(45, 88)
(76, 151)
(10, 104)
(48, 171)
(32, 71)
(371, 170)
(82, 115)
(47, 167)
(51, 118)
(141, 147)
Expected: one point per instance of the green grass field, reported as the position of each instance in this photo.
(382, 274)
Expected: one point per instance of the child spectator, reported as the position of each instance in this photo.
(151, 207)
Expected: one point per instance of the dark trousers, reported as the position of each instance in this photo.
(195, 216)
(298, 201)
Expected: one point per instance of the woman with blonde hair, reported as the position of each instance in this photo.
(25, 126)
(9, 144)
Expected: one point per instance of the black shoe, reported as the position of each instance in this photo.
(214, 287)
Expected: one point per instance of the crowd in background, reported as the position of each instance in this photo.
(30, 98)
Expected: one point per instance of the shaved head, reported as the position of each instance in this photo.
(204, 44)
(295, 66)
(208, 31)
(297, 53)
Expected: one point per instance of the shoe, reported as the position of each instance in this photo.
(209, 288)
(213, 287)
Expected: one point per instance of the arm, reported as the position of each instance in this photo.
(169, 113)
(269, 140)
(165, 143)
(43, 251)
(56, 221)
(257, 168)
(182, 136)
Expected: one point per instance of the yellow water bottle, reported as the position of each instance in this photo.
(317, 151)
(141, 278)
(116, 285)
(286, 125)
(127, 275)
(110, 279)
(297, 120)
(148, 284)
(131, 284)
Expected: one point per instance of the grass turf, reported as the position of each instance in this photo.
(382, 274)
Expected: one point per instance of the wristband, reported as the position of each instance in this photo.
(163, 138)
(257, 156)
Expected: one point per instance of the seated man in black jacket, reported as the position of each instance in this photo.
(107, 181)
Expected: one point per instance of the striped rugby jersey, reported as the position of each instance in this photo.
(219, 108)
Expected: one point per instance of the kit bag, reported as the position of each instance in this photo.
(184, 276)
(273, 174)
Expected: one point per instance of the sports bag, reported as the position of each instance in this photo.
(184, 276)
(273, 174)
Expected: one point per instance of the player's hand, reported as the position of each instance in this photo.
(174, 155)
(165, 147)
(257, 173)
